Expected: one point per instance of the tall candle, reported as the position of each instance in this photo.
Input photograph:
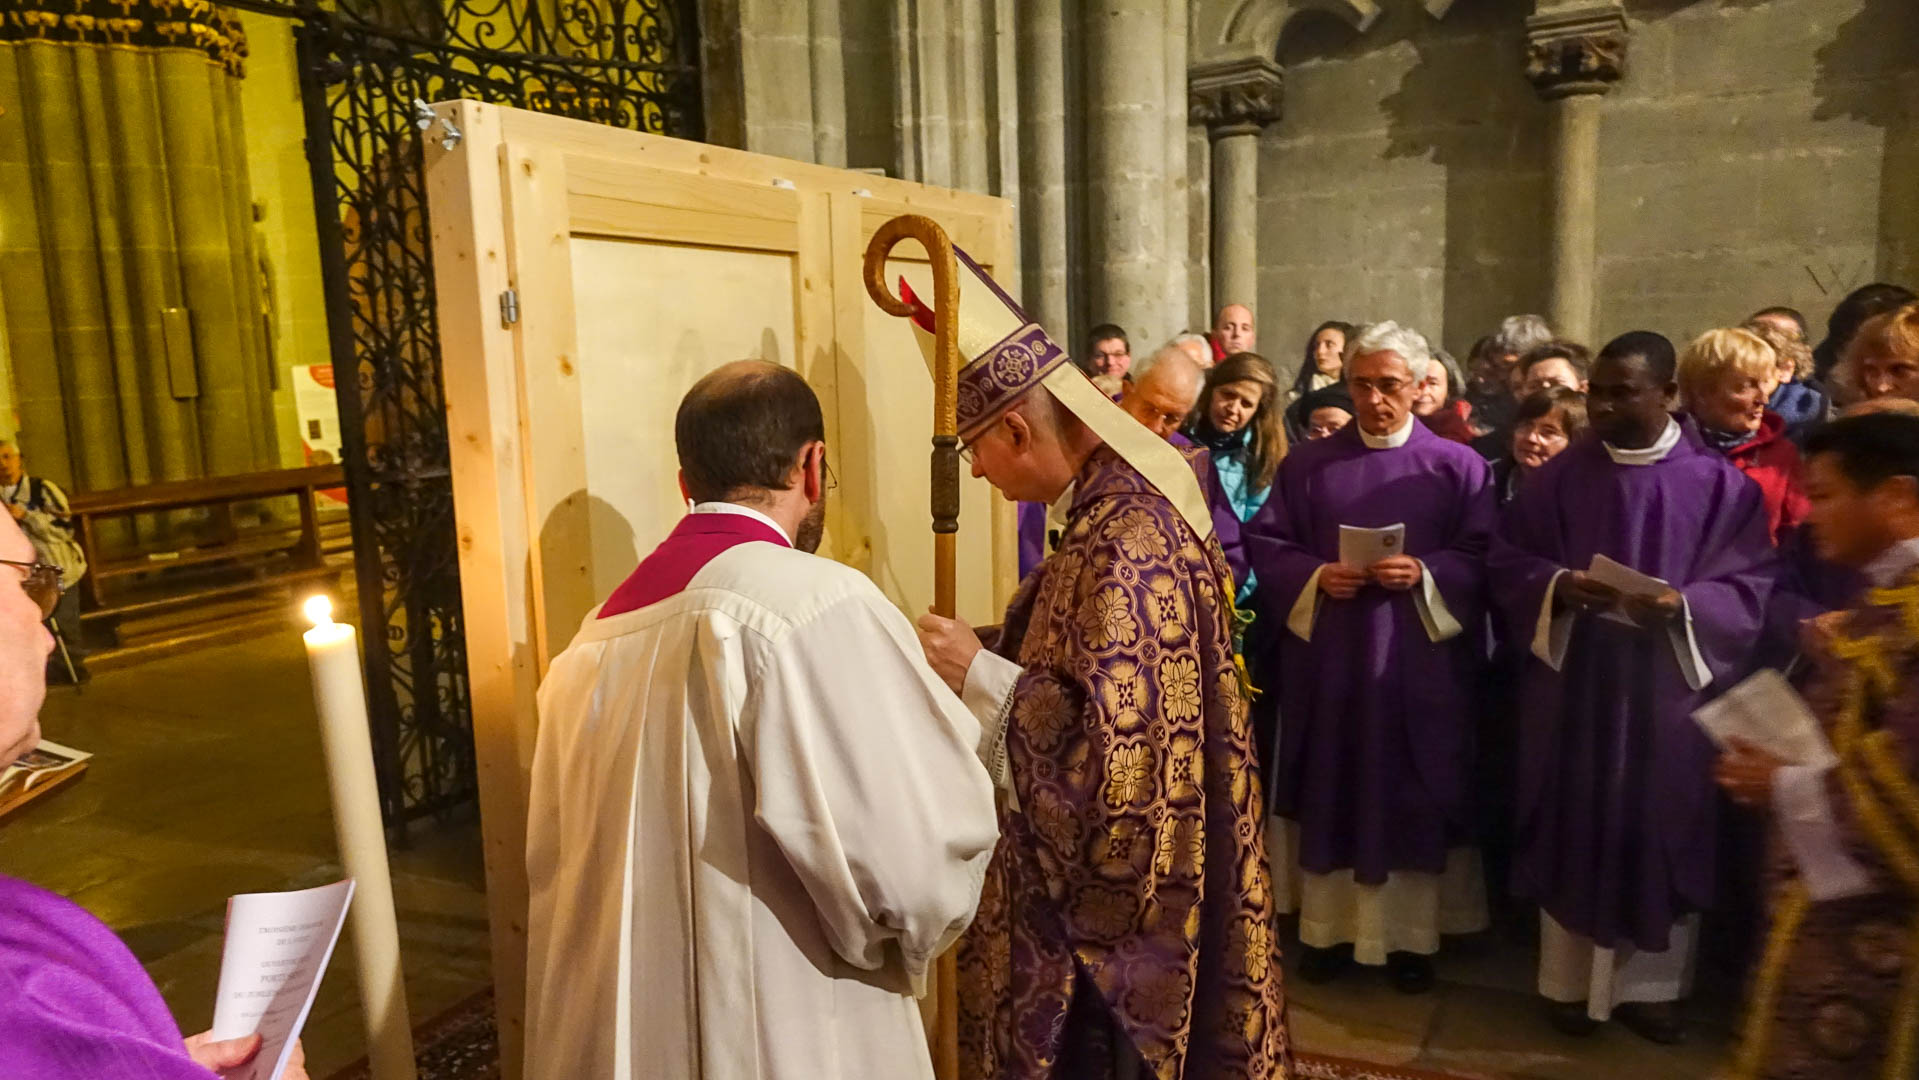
(333, 655)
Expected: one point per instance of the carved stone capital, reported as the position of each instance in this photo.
(1576, 51)
(1237, 96)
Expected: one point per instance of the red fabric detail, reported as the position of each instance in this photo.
(697, 540)
(1773, 462)
(922, 315)
(1453, 421)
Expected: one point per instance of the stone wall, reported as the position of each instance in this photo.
(1756, 152)
(283, 201)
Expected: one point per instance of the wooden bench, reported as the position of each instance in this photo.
(219, 560)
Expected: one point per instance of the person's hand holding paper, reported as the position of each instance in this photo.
(1645, 602)
(1582, 592)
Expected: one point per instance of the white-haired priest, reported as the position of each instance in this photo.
(757, 815)
(1370, 555)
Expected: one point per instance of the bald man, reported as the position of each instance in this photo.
(1233, 330)
(779, 903)
(1163, 390)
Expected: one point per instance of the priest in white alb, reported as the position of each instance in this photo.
(757, 815)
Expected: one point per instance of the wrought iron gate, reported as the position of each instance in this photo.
(364, 64)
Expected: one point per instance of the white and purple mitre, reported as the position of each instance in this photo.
(1004, 356)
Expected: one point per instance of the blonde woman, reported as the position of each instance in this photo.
(1725, 377)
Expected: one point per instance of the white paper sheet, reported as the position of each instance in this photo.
(1767, 712)
(1361, 548)
(277, 948)
(1628, 581)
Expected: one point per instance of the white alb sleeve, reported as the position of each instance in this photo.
(868, 777)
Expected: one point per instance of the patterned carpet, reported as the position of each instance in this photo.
(460, 1044)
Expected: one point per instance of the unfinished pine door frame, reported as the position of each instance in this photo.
(506, 201)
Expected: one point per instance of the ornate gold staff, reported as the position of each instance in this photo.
(943, 1038)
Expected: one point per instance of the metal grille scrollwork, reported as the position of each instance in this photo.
(627, 63)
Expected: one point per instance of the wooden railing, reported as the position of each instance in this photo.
(235, 559)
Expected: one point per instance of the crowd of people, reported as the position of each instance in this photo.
(1493, 717)
(1389, 646)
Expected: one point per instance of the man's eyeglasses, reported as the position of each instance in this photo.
(40, 581)
(1384, 387)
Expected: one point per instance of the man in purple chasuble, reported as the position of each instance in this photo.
(1125, 928)
(75, 1003)
(1376, 715)
(1616, 811)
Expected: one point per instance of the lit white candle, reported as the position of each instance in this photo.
(333, 655)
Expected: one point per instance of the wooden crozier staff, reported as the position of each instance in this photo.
(943, 1036)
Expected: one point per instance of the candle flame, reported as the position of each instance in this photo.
(319, 609)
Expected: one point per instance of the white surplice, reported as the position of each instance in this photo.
(756, 817)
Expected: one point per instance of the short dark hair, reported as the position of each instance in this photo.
(1106, 332)
(1870, 449)
(1573, 353)
(1570, 404)
(1781, 311)
(737, 431)
(1653, 348)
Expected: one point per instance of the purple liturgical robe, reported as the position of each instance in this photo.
(73, 1000)
(1376, 729)
(1616, 808)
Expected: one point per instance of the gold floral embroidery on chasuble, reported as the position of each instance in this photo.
(1131, 890)
(1838, 985)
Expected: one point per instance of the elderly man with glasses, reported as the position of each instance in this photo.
(1375, 748)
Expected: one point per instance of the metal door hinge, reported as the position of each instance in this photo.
(509, 308)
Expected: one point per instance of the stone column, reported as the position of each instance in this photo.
(1235, 99)
(1176, 123)
(1574, 55)
(923, 85)
(1042, 151)
(829, 83)
(1126, 164)
(970, 129)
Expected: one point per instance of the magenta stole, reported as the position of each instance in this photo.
(697, 540)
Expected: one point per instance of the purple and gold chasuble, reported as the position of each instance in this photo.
(1128, 908)
(1837, 992)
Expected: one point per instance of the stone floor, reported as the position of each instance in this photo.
(208, 782)
(1483, 1020)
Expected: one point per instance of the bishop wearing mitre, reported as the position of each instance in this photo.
(1125, 927)
(756, 814)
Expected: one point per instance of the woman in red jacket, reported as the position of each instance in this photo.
(1724, 378)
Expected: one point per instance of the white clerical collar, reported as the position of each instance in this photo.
(1651, 455)
(1886, 568)
(1392, 441)
(1056, 515)
(742, 511)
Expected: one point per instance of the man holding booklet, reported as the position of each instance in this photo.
(1370, 553)
(1637, 565)
(1837, 993)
